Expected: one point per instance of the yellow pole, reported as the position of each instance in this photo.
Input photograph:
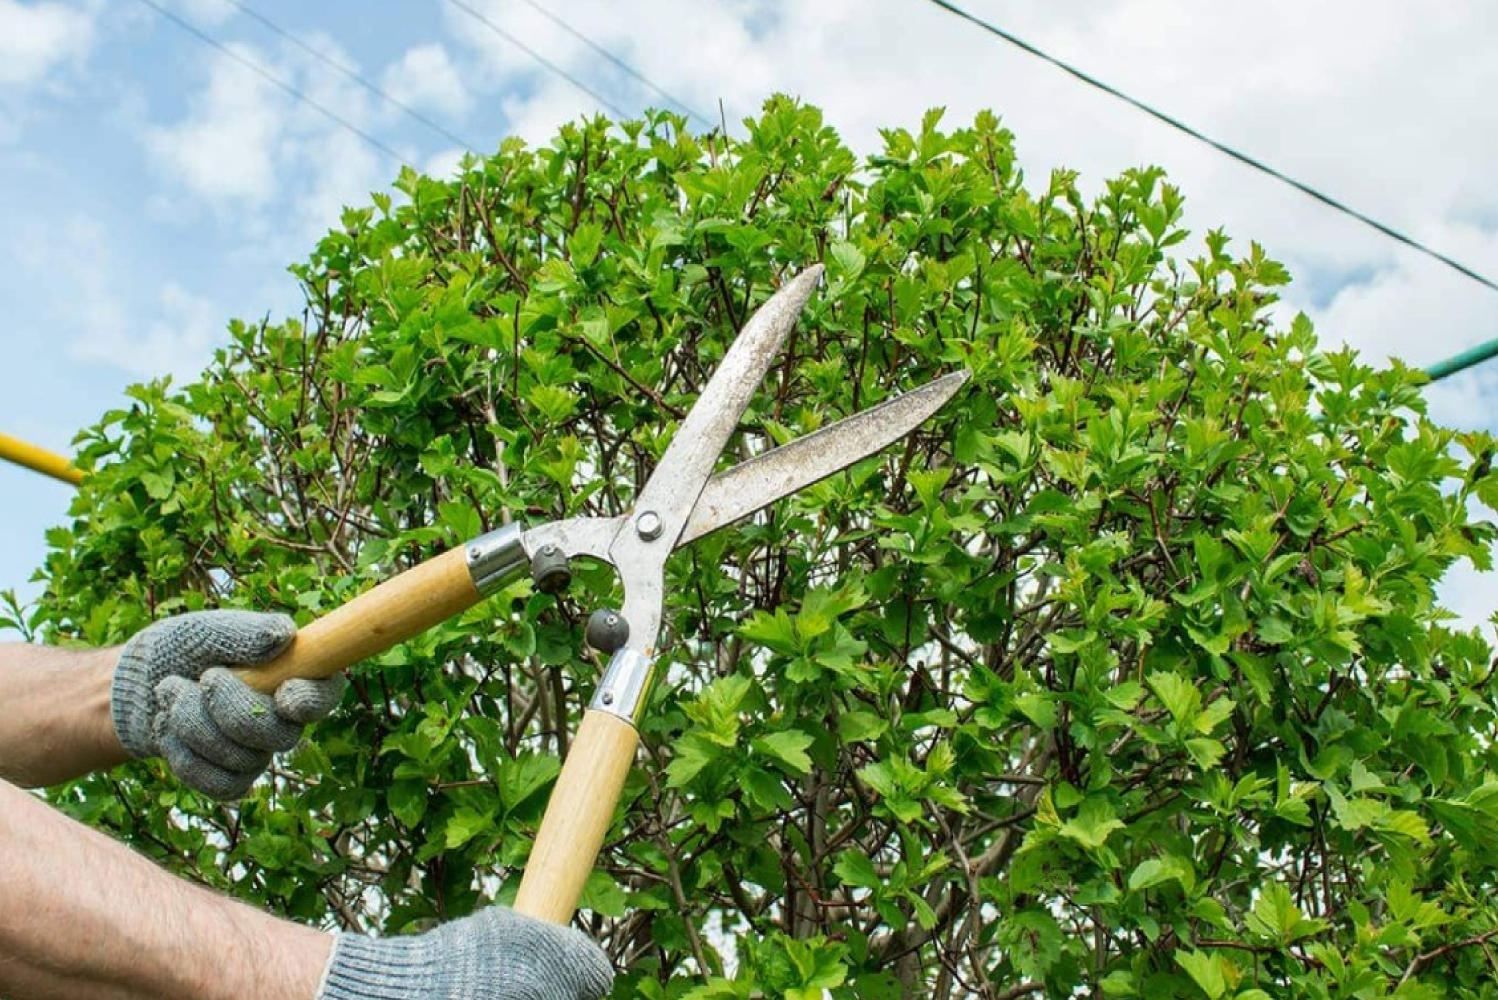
(18, 451)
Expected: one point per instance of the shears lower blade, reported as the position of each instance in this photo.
(763, 479)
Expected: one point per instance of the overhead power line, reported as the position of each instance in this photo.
(616, 61)
(478, 16)
(351, 74)
(1243, 158)
(270, 77)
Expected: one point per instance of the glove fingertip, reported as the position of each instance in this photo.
(234, 636)
(215, 677)
(199, 773)
(169, 689)
(276, 632)
(597, 973)
(304, 700)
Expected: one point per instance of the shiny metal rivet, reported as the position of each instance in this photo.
(648, 525)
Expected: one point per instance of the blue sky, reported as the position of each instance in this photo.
(151, 188)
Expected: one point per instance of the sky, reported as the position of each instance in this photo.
(152, 187)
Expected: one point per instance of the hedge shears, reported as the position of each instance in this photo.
(682, 501)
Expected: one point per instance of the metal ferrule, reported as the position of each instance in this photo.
(626, 685)
(496, 558)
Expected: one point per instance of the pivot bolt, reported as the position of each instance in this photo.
(607, 630)
(648, 525)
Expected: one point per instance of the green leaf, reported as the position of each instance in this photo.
(522, 777)
(1092, 825)
(1156, 871)
(693, 753)
(821, 607)
(764, 789)
(1275, 916)
(1179, 696)
(787, 748)
(853, 867)
(602, 894)
(408, 801)
(1205, 970)
(1038, 708)
(859, 726)
(584, 242)
(555, 403)
(817, 967)
(1124, 696)
(466, 824)
(849, 260)
(774, 631)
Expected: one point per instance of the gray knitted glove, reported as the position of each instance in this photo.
(496, 954)
(173, 697)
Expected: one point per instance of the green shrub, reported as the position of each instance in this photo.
(1123, 676)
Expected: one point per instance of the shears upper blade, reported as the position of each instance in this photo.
(668, 498)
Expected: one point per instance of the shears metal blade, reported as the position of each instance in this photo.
(683, 500)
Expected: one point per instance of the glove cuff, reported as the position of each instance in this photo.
(132, 704)
(363, 968)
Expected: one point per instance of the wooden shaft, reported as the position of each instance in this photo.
(401, 607)
(577, 817)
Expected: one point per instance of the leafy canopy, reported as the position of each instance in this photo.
(1123, 676)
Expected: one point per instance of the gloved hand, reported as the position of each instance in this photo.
(173, 697)
(496, 954)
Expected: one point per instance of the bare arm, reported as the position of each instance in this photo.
(85, 916)
(54, 713)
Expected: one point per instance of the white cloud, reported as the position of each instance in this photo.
(444, 163)
(96, 310)
(228, 147)
(177, 340)
(37, 38)
(106, 320)
(349, 170)
(534, 114)
(711, 38)
(1465, 401)
(426, 79)
(278, 167)
(1416, 311)
(331, 166)
(206, 13)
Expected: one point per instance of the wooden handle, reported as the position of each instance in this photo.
(577, 817)
(401, 607)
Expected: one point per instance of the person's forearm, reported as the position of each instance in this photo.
(54, 713)
(84, 916)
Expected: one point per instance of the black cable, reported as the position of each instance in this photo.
(350, 74)
(559, 71)
(277, 81)
(1243, 158)
(620, 63)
